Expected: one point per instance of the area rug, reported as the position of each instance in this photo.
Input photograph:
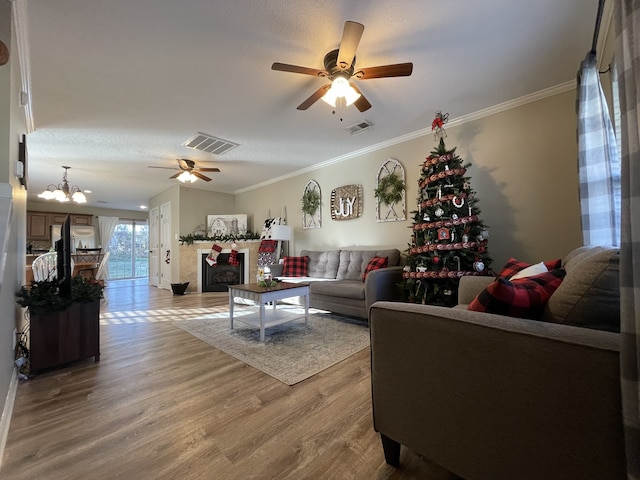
(292, 351)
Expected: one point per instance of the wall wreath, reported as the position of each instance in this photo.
(311, 205)
(390, 189)
(390, 192)
(310, 201)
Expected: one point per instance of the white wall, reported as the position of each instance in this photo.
(196, 204)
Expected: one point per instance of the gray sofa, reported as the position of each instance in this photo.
(494, 397)
(335, 278)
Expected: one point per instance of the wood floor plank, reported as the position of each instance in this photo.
(162, 404)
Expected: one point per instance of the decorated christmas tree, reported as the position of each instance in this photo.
(449, 240)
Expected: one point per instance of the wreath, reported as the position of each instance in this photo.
(390, 189)
(310, 202)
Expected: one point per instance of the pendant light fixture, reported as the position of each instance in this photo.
(62, 192)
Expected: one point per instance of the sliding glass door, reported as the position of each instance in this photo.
(129, 250)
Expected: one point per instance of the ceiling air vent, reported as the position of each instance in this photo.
(359, 127)
(209, 143)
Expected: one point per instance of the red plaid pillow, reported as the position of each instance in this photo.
(523, 298)
(374, 264)
(513, 266)
(295, 266)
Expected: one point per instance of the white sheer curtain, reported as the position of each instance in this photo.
(106, 227)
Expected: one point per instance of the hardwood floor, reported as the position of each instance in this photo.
(162, 404)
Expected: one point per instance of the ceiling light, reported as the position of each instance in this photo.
(340, 88)
(187, 177)
(62, 192)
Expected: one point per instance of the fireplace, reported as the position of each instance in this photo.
(199, 264)
(221, 275)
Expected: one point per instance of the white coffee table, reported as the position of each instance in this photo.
(263, 295)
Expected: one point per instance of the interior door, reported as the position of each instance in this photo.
(154, 247)
(165, 245)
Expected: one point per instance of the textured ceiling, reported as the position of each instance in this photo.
(119, 85)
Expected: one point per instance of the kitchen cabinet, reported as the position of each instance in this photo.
(76, 219)
(38, 226)
(85, 220)
(57, 218)
(39, 223)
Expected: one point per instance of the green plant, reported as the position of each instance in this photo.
(390, 189)
(197, 237)
(310, 202)
(44, 295)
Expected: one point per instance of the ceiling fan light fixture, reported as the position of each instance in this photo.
(187, 177)
(340, 88)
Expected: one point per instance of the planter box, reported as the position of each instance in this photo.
(67, 336)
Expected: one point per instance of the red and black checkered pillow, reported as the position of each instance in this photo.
(523, 298)
(513, 266)
(295, 266)
(374, 264)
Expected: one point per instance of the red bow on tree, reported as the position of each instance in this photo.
(438, 122)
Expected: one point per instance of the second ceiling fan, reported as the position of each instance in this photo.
(188, 170)
(340, 67)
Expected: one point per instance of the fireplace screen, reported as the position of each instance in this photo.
(221, 275)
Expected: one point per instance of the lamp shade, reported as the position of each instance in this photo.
(281, 232)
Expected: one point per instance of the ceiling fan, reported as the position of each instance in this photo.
(340, 67)
(189, 172)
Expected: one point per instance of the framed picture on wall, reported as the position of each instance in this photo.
(235, 224)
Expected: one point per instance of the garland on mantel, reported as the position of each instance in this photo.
(193, 237)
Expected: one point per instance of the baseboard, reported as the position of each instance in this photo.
(5, 419)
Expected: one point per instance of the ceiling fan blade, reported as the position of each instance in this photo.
(165, 168)
(200, 176)
(285, 67)
(361, 103)
(314, 97)
(349, 44)
(395, 70)
(207, 169)
(176, 175)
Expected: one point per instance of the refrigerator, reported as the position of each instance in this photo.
(82, 236)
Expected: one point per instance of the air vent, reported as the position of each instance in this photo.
(210, 144)
(359, 127)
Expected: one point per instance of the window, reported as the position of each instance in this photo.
(129, 249)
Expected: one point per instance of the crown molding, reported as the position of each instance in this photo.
(518, 102)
